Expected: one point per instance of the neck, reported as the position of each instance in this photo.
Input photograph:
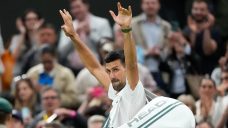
(151, 18)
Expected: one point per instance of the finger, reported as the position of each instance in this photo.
(62, 14)
(119, 6)
(113, 14)
(129, 9)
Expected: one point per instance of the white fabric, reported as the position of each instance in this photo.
(125, 104)
(162, 112)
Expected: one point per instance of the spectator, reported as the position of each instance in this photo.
(50, 100)
(90, 28)
(151, 32)
(96, 121)
(5, 112)
(178, 64)
(189, 101)
(25, 42)
(223, 87)
(204, 39)
(204, 124)
(26, 99)
(47, 35)
(50, 73)
(17, 120)
(208, 109)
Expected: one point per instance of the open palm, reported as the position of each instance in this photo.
(124, 16)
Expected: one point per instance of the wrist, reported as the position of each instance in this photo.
(126, 29)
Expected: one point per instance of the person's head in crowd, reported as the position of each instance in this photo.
(30, 19)
(47, 34)
(150, 7)
(5, 111)
(115, 67)
(25, 94)
(106, 46)
(50, 100)
(204, 124)
(200, 11)
(207, 88)
(79, 8)
(17, 120)
(189, 101)
(48, 57)
(96, 121)
(54, 125)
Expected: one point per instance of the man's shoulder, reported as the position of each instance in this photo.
(36, 68)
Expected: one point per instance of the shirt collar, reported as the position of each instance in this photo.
(157, 20)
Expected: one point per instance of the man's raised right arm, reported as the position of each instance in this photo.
(85, 54)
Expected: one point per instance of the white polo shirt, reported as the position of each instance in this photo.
(125, 104)
(162, 112)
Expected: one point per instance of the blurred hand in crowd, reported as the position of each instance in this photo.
(20, 26)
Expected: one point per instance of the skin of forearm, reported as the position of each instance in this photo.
(192, 38)
(209, 45)
(87, 57)
(130, 60)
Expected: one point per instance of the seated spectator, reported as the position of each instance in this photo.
(189, 101)
(46, 35)
(204, 38)
(51, 73)
(96, 121)
(17, 120)
(26, 100)
(208, 109)
(5, 113)
(223, 87)
(90, 28)
(50, 100)
(26, 41)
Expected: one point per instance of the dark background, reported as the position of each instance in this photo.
(11, 9)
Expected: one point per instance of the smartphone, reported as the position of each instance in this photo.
(25, 112)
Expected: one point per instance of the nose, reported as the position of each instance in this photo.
(112, 75)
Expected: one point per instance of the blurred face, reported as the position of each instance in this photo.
(47, 35)
(203, 125)
(150, 7)
(207, 88)
(117, 74)
(50, 101)
(30, 20)
(199, 11)
(15, 123)
(224, 78)
(96, 125)
(24, 91)
(79, 10)
(48, 61)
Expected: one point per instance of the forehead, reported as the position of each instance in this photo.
(207, 82)
(49, 93)
(115, 63)
(200, 4)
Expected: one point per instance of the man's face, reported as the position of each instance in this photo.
(79, 10)
(47, 61)
(47, 35)
(95, 125)
(199, 11)
(150, 7)
(117, 74)
(50, 101)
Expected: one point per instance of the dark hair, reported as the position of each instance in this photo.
(115, 55)
(48, 49)
(47, 25)
(3, 117)
(26, 12)
(200, 1)
(83, 1)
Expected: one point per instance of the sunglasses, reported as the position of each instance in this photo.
(20, 77)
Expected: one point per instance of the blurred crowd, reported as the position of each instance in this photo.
(43, 78)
